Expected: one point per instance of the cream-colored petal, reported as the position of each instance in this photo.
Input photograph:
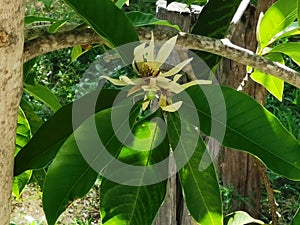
(126, 80)
(173, 107)
(162, 101)
(195, 82)
(139, 52)
(134, 90)
(165, 51)
(115, 81)
(176, 69)
(151, 47)
(145, 105)
(169, 85)
(177, 77)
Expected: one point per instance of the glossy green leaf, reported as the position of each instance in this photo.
(33, 19)
(296, 218)
(70, 176)
(43, 94)
(34, 121)
(36, 155)
(291, 49)
(250, 128)
(138, 204)
(213, 22)
(278, 17)
(23, 131)
(200, 187)
(293, 29)
(22, 137)
(20, 182)
(139, 19)
(57, 25)
(120, 3)
(76, 52)
(273, 84)
(106, 19)
(240, 217)
(298, 12)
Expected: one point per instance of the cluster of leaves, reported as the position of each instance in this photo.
(249, 127)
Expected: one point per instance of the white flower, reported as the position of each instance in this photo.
(153, 81)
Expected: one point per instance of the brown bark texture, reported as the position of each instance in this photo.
(241, 170)
(11, 62)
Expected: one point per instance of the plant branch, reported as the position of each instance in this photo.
(47, 43)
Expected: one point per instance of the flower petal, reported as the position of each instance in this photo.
(145, 105)
(115, 81)
(165, 51)
(176, 69)
(134, 90)
(126, 80)
(177, 77)
(173, 107)
(195, 82)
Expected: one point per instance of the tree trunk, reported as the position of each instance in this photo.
(241, 170)
(11, 63)
(174, 210)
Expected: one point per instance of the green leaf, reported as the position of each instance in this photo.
(23, 131)
(291, 30)
(43, 94)
(20, 182)
(291, 49)
(106, 19)
(36, 155)
(34, 121)
(239, 217)
(273, 84)
(213, 22)
(296, 218)
(76, 52)
(33, 19)
(22, 137)
(57, 25)
(69, 177)
(138, 204)
(139, 19)
(200, 187)
(250, 127)
(72, 168)
(278, 17)
(298, 12)
(120, 3)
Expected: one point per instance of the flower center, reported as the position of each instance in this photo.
(147, 71)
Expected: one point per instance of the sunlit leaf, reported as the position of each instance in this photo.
(239, 217)
(43, 94)
(278, 17)
(57, 25)
(273, 84)
(145, 19)
(291, 49)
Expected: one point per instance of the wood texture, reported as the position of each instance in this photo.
(11, 50)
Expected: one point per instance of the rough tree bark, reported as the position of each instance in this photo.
(11, 62)
(241, 170)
